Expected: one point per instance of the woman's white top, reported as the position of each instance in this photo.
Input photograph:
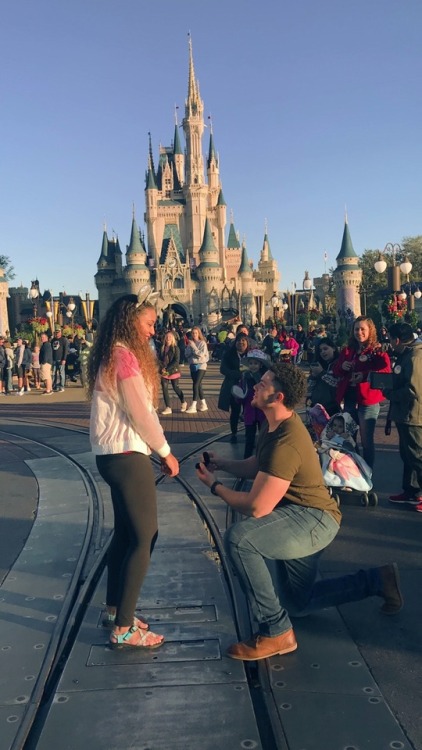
(123, 418)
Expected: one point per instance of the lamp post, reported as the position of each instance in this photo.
(70, 311)
(49, 303)
(393, 271)
(33, 295)
(275, 303)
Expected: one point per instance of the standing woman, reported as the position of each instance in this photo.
(123, 383)
(197, 356)
(169, 357)
(362, 355)
(322, 384)
(230, 368)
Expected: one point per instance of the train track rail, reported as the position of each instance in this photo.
(88, 569)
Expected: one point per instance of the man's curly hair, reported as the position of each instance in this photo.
(120, 327)
(291, 381)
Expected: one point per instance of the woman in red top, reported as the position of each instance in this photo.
(362, 355)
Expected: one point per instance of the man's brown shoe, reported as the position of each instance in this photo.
(390, 589)
(262, 647)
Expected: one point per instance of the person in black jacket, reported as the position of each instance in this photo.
(60, 346)
(230, 368)
(3, 362)
(169, 357)
(46, 362)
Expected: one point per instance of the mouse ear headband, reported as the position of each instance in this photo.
(146, 294)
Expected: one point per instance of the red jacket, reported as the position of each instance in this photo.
(369, 360)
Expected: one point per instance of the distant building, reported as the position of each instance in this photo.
(4, 293)
(347, 279)
(198, 274)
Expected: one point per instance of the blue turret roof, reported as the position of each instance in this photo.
(177, 148)
(221, 201)
(232, 242)
(208, 252)
(244, 264)
(135, 245)
(211, 152)
(346, 250)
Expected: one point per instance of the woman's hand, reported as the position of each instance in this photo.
(347, 366)
(316, 368)
(170, 465)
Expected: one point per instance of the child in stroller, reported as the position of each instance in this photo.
(345, 472)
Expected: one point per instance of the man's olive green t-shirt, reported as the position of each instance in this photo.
(288, 453)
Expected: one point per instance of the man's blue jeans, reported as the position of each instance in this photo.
(59, 376)
(295, 536)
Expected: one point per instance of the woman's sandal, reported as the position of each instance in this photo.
(145, 638)
(108, 621)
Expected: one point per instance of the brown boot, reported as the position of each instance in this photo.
(261, 646)
(390, 589)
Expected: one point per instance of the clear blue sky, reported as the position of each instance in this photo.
(316, 105)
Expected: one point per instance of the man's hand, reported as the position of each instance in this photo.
(207, 477)
(170, 465)
(213, 462)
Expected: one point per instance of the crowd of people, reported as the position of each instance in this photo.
(45, 365)
(289, 514)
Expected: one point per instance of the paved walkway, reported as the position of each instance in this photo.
(391, 647)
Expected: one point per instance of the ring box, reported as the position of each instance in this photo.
(381, 380)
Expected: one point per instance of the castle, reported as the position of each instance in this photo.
(197, 273)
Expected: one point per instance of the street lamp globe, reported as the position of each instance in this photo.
(33, 292)
(380, 265)
(418, 293)
(307, 282)
(406, 266)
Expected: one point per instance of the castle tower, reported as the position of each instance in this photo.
(4, 293)
(136, 273)
(209, 271)
(347, 278)
(233, 253)
(268, 272)
(105, 275)
(195, 190)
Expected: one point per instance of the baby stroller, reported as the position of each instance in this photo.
(346, 474)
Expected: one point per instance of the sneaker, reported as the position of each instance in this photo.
(60, 390)
(167, 410)
(21, 391)
(192, 409)
(418, 507)
(184, 406)
(203, 405)
(47, 393)
(404, 499)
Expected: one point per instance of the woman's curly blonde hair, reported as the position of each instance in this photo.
(120, 327)
(372, 334)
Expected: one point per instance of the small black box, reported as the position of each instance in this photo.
(383, 381)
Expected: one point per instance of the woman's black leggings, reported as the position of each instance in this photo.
(176, 388)
(133, 494)
(197, 378)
